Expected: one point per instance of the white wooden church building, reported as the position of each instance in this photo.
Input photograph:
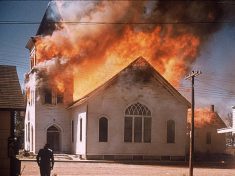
(137, 113)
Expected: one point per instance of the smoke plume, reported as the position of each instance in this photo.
(93, 40)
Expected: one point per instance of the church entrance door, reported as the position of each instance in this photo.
(53, 138)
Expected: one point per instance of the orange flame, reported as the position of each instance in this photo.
(204, 117)
(170, 55)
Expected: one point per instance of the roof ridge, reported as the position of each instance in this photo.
(139, 62)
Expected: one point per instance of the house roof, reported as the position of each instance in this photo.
(138, 64)
(204, 117)
(10, 92)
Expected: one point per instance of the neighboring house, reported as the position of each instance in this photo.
(207, 140)
(230, 134)
(232, 128)
(11, 101)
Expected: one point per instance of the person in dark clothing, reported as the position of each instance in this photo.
(45, 160)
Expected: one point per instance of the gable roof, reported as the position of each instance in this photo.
(205, 117)
(138, 64)
(10, 92)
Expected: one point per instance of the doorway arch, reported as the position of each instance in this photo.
(53, 138)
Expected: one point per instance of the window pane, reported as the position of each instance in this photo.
(138, 129)
(80, 129)
(128, 129)
(170, 131)
(28, 131)
(72, 130)
(136, 111)
(60, 98)
(48, 96)
(103, 129)
(147, 129)
(208, 138)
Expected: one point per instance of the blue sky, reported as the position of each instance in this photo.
(216, 84)
(14, 37)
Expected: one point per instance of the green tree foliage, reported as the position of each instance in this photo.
(19, 128)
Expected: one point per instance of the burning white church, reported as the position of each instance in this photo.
(100, 84)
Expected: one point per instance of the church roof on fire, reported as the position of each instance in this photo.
(10, 92)
(142, 71)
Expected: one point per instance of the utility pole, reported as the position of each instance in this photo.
(192, 75)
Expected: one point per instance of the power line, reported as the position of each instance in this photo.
(112, 23)
(216, 85)
(165, 1)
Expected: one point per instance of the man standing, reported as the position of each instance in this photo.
(45, 160)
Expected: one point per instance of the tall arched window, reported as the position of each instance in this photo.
(170, 131)
(103, 129)
(72, 131)
(137, 127)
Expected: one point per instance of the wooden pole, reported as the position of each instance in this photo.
(191, 149)
(191, 156)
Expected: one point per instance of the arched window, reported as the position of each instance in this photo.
(137, 125)
(81, 129)
(170, 131)
(103, 129)
(72, 131)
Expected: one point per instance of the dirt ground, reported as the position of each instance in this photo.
(30, 168)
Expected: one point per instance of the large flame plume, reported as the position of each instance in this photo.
(96, 39)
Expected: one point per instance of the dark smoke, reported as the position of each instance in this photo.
(200, 18)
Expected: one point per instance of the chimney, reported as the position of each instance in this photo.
(233, 122)
(213, 108)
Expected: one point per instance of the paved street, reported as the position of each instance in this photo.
(30, 168)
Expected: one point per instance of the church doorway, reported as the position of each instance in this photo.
(53, 138)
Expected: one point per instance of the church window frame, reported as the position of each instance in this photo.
(32, 138)
(170, 131)
(80, 137)
(103, 129)
(208, 138)
(28, 139)
(137, 124)
(48, 96)
(72, 131)
(59, 98)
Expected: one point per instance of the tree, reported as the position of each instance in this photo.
(229, 136)
(19, 125)
(229, 119)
